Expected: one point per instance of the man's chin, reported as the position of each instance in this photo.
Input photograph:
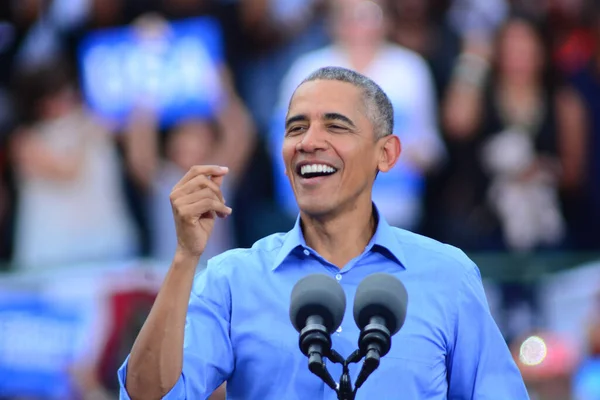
(316, 207)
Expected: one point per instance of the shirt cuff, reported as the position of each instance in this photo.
(177, 393)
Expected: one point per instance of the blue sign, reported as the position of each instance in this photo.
(172, 69)
(37, 345)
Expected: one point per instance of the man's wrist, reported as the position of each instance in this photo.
(184, 257)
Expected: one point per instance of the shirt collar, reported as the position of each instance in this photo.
(384, 238)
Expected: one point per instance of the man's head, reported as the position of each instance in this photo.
(338, 136)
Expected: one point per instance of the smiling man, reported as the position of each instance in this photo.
(231, 324)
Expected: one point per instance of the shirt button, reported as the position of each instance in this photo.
(306, 252)
(338, 277)
(339, 330)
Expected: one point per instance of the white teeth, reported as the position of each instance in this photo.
(315, 168)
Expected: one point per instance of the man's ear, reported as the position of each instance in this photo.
(389, 152)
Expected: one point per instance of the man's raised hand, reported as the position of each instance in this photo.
(196, 201)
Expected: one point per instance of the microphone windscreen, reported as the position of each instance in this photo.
(381, 295)
(317, 294)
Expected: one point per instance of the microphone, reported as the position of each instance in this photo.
(317, 308)
(379, 312)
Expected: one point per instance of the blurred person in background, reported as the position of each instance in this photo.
(582, 149)
(156, 161)
(502, 184)
(227, 140)
(277, 33)
(359, 30)
(423, 28)
(71, 208)
(505, 124)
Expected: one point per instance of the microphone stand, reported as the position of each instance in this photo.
(345, 390)
(374, 342)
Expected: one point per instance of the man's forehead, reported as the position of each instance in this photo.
(325, 96)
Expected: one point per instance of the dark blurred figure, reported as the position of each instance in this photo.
(8, 44)
(572, 40)
(582, 147)
(422, 27)
(277, 32)
(45, 28)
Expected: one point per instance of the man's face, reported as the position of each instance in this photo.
(330, 152)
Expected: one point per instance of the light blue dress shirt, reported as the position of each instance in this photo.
(238, 328)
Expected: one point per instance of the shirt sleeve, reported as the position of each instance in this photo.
(480, 364)
(207, 349)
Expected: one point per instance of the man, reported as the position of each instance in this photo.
(338, 137)
(360, 30)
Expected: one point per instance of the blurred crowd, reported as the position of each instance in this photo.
(497, 105)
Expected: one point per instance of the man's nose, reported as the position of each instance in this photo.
(312, 140)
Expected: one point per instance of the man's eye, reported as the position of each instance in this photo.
(337, 127)
(296, 129)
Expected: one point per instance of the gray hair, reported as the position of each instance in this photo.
(379, 107)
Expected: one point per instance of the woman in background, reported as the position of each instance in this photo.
(227, 139)
(504, 134)
(70, 206)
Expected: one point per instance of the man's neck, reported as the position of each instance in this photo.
(340, 238)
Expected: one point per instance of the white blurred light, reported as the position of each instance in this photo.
(533, 351)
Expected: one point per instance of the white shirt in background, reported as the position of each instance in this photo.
(80, 220)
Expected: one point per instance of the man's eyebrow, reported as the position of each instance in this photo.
(338, 117)
(295, 118)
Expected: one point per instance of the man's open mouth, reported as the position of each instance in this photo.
(308, 171)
